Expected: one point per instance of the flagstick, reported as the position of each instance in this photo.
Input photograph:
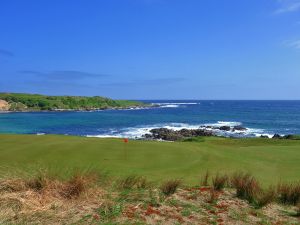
(125, 148)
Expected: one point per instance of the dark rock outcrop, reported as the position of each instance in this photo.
(288, 136)
(225, 128)
(239, 128)
(264, 136)
(172, 135)
(276, 136)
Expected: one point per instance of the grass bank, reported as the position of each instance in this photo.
(267, 159)
(91, 198)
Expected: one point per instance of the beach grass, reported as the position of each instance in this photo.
(269, 160)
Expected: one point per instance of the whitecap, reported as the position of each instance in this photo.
(174, 104)
(177, 103)
(224, 123)
(169, 106)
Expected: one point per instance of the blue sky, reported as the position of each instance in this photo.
(151, 49)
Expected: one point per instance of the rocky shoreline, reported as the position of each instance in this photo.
(167, 134)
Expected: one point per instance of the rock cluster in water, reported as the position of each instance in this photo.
(203, 131)
(174, 135)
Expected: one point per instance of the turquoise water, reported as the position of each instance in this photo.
(260, 117)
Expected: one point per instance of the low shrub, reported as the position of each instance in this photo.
(170, 187)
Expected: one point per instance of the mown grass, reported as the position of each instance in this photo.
(268, 160)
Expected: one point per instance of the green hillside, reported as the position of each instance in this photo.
(35, 102)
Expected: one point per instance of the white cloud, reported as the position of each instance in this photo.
(288, 6)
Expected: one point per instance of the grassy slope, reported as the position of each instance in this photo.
(268, 160)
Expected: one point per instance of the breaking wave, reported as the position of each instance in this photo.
(140, 131)
(174, 104)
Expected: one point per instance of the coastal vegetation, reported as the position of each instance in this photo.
(36, 102)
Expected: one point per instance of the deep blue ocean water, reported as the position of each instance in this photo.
(260, 117)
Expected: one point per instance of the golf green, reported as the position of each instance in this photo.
(269, 160)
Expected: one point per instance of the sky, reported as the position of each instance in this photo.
(152, 49)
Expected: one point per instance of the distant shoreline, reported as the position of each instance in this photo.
(19, 102)
(82, 110)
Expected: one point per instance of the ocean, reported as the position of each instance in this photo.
(259, 117)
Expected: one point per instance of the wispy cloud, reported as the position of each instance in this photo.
(63, 74)
(148, 82)
(6, 53)
(293, 44)
(288, 6)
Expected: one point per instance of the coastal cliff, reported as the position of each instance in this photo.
(4, 105)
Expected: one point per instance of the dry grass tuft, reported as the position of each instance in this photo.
(74, 187)
(131, 182)
(170, 187)
(12, 185)
(37, 183)
(11, 203)
(109, 210)
(298, 210)
(213, 196)
(247, 187)
(289, 193)
(265, 197)
(219, 182)
(86, 199)
(204, 179)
